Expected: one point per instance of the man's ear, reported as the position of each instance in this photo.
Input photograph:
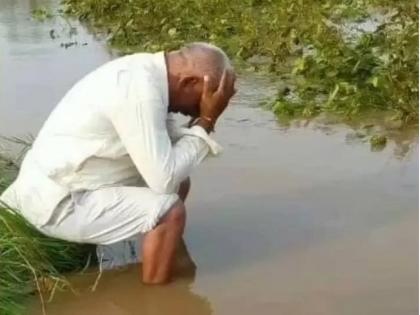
(188, 81)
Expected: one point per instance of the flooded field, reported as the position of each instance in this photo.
(299, 219)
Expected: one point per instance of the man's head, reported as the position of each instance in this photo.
(186, 70)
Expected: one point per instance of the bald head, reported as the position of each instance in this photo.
(206, 59)
(186, 70)
(200, 59)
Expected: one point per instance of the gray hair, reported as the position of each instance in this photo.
(207, 58)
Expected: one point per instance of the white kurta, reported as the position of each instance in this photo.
(110, 128)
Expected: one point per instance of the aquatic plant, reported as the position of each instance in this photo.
(372, 71)
(29, 261)
(317, 47)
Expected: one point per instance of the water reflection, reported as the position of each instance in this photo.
(16, 17)
(402, 139)
(35, 71)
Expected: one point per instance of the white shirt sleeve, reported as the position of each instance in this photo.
(174, 130)
(141, 124)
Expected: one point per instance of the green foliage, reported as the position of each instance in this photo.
(377, 70)
(29, 261)
(41, 14)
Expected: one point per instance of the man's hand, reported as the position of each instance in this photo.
(213, 104)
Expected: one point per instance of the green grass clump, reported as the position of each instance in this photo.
(303, 41)
(29, 261)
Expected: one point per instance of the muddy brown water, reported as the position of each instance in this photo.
(290, 220)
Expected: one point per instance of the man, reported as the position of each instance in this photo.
(107, 165)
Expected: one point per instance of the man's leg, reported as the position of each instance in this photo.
(185, 266)
(154, 257)
(160, 244)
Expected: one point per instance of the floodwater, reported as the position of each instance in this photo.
(290, 220)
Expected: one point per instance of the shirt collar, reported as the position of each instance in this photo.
(161, 74)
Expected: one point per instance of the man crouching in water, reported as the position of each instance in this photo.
(109, 164)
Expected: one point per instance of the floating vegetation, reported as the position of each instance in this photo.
(345, 57)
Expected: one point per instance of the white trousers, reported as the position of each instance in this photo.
(108, 215)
